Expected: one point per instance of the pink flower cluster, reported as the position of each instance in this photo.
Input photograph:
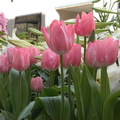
(61, 41)
(18, 58)
(3, 23)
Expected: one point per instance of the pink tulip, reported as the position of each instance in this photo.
(4, 64)
(61, 37)
(33, 52)
(18, 58)
(73, 57)
(50, 60)
(85, 25)
(102, 52)
(36, 84)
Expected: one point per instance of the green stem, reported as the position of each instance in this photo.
(19, 92)
(84, 47)
(62, 89)
(104, 86)
(51, 78)
(94, 74)
(77, 39)
(72, 117)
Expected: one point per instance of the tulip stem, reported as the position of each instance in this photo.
(84, 47)
(77, 39)
(19, 92)
(104, 86)
(51, 78)
(62, 89)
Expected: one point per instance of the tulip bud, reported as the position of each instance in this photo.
(50, 60)
(73, 57)
(102, 52)
(33, 52)
(85, 25)
(61, 37)
(36, 84)
(4, 64)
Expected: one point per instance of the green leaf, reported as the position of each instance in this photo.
(3, 97)
(94, 1)
(103, 10)
(86, 93)
(18, 91)
(2, 116)
(49, 92)
(109, 106)
(97, 31)
(92, 36)
(8, 115)
(104, 24)
(117, 110)
(95, 95)
(78, 94)
(52, 106)
(35, 31)
(26, 111)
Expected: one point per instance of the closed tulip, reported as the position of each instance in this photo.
(85, 25)
(4, 64)
(61, 37)
(73, 57)
(18, 58)
(36, 84)
(33, 52)
(50, 60)
(102, 52)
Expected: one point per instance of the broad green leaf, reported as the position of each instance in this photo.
(97, 31)
(35, 31)
(8, 115)
(95, 95)
(86, 93)
(2, 116)
(52, 106)
(109, 106)
(94, 1)
(49, 92)
(26, 111)
(104, 24)
(3, 97)
(103, 10)
(117, 110)
(18, 87)
(78, 94)
(92, 36)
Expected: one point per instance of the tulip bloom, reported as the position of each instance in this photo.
(61, 37)
(73, 57)
(33, 52)
(50, 60)
(85, 25)
(36, 84)
(18, 58)
(102, 52)
(4, 64)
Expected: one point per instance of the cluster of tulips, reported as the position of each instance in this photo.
(64, 52)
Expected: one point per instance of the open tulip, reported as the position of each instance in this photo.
(50, 60)
(36, 84)
(85, 25)
(73, 57)
(4, 64)
(18, 58)
(102, 52)
(61, 37)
